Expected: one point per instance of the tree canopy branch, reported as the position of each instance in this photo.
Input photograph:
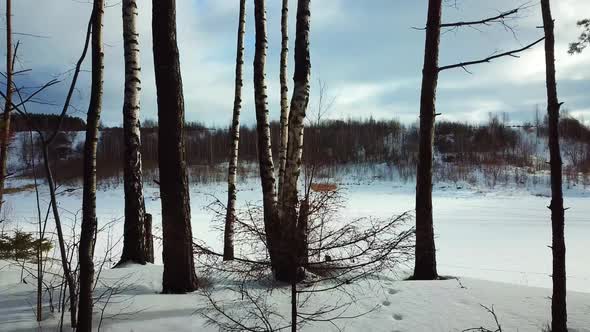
(498, 18)
(39, 90)
(74, 79)
(583, 39)
(511, 53)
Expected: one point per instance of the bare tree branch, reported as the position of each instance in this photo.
(74, 80)
(491, 311)
(495, 19)
(511, 53)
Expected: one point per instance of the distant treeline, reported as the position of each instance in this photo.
(338, 142)
(46, 122)
(350, 141)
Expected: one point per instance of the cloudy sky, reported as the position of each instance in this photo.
(366, 52)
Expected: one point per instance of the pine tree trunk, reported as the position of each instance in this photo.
(425, 258)
(558, 299)
(228, 237)
(284, 121)
(5, 135)
(88, 227)
(149, 239)
(299, 102)
(179, 272)
(267, 176)
(302, 234)
(133, 237)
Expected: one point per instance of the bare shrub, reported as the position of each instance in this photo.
(340, 252)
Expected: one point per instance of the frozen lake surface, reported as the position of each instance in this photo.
(499, 235)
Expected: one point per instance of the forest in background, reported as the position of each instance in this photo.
(501, 152)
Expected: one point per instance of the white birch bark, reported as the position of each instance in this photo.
(88, 227)
(294, 223)
(299, 102)
(228, 240)
(134, 238)
(284, 121)
(266, 165)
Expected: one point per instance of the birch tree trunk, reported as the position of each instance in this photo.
(284, 121)
(228, 238)
(88, 227)
(5, 135)
(558, 299)
(299, 102)
(425, 258)
(179, 272)
(267, 176)
(133, 237)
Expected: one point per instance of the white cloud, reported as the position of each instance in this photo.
(365, 51)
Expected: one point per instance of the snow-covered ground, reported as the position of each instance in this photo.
(499, 235)
(495, 241)
(383, 305)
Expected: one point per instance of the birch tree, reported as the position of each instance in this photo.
(558, 298)
(284, 120)
(5, 134)
(265, 161)
(295, 222)
(133, 237)
(280, 224)
(179, 271)
(228, 239)
(89, 219)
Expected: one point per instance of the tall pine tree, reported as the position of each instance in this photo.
(179, 270)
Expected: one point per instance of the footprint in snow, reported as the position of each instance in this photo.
(398, 317)
(465, 302)
(392, 291)
(386, 303)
